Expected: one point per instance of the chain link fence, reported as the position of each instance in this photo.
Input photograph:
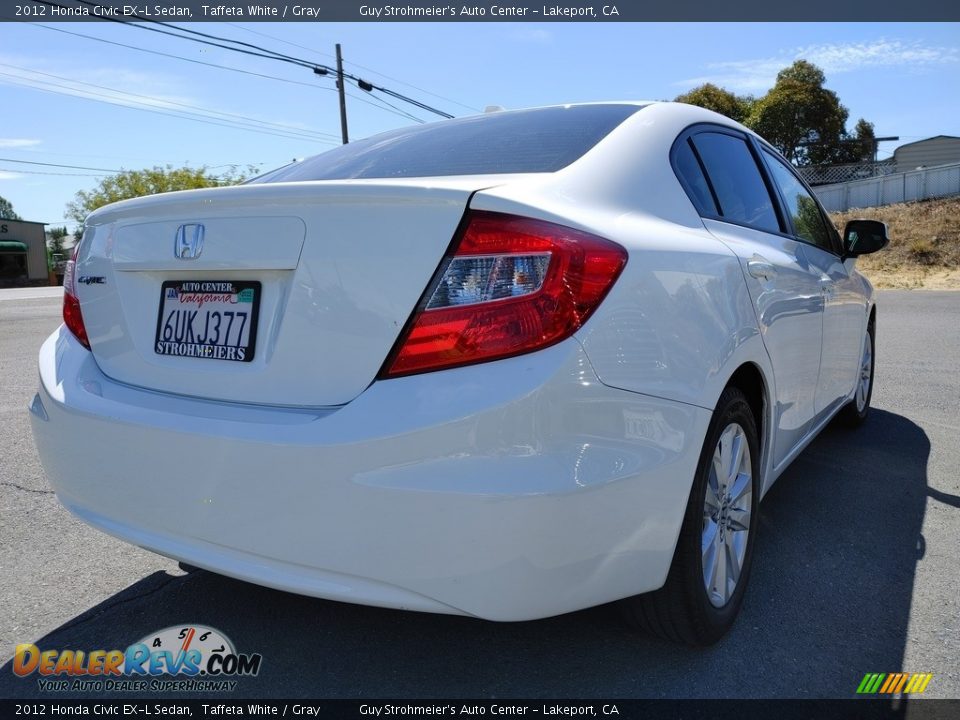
(942, 181)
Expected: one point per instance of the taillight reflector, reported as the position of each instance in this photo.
(72, 317)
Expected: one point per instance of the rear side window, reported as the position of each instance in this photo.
(805, 215)
(521, 141)
(739, 188)
(691, 174)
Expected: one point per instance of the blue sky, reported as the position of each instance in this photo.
(904, 77)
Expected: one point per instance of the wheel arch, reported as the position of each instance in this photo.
(750, 378)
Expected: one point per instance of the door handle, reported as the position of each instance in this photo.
(761, 268)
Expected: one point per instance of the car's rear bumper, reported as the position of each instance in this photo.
(512, 490)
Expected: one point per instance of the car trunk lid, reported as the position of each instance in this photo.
(327, 274)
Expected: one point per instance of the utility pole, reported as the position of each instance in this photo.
(343, 97)
(876, 141)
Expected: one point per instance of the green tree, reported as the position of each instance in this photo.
(57, 245)
(803, 119)
(136, 183)
(719, 100)
(802, 71)
(6, 210)
(861, 145)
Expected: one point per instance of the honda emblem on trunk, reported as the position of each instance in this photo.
(189, 242)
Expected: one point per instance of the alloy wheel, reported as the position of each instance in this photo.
(726, 515)
(866, 373)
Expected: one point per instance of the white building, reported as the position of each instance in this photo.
(23, 253)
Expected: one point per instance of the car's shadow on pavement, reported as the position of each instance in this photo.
(829, 600)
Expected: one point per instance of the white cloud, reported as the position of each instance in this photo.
(880, 53)
(128, 88)
(123, 88)
(759, 74)
(91, 81)
(4, 175)
(18, 142)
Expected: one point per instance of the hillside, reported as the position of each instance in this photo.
(924, 249)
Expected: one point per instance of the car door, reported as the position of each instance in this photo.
(721, 170)
(844, 312)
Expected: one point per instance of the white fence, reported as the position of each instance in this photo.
(828, 174)
(941, 181)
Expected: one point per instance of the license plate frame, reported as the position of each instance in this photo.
(211, 294)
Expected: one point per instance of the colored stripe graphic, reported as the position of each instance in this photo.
(890, 683)
(894, 683)
(875, 681)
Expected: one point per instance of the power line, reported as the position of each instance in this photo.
(20, 171)
(242, 118)
(347, 62)
(269, 53)
(266, 54)
(259, 52)
(442, 97)
(314, 86)
(375, 102)
(36, 84)
(285, 42)
(72, 167)
(280, 126)
(84, 167)
(182, 115)
(397, 95)
(180, 57)
(60, 153)
(389, 104)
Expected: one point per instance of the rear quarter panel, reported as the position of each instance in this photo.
(679, 321)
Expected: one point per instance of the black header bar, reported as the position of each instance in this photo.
(477, 11)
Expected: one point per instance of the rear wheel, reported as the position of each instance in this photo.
(711, 565)
(855, 412)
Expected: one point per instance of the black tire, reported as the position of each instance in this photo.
(681, 610)
(851, 415)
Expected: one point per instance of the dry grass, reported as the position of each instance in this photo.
(924, 249)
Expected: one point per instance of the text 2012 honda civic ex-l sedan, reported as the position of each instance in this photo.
(505, 366)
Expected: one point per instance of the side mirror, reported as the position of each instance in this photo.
(862, 237)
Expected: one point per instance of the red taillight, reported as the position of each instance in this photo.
(72, 317)
(511, 285)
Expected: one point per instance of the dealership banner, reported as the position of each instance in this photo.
(472, 11)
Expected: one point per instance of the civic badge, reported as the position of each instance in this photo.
(189, 242)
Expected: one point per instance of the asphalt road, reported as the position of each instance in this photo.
(856, 569)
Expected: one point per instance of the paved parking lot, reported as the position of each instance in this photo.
(856, 570)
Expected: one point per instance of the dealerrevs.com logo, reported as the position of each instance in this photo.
(182, 658)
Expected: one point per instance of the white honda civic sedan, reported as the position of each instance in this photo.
(504, 366)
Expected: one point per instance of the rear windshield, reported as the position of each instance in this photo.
(520, 141)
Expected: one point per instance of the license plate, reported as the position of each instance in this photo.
(208, 319)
